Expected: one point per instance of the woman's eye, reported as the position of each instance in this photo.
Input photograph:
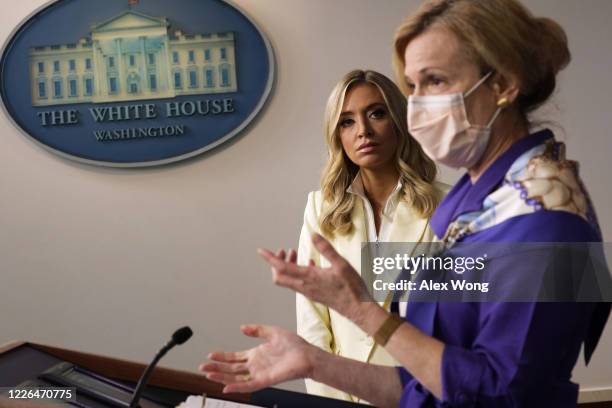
(346, 123)
(436, 81)
(410, 86)
(378, 113)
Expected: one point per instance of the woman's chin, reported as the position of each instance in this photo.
(373, 164)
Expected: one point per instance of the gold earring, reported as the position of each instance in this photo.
(503, 102)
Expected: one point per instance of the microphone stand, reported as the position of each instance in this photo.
(179, 337)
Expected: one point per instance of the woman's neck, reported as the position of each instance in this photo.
(379, 184)
(508, 130)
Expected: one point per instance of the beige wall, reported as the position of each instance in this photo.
(112, 261)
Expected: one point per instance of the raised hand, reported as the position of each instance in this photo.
(339, 287)
(284, 356)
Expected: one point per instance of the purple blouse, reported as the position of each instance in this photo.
(503, 354)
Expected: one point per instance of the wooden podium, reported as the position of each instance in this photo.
(21, 361)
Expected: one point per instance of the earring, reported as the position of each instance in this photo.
(503, 102)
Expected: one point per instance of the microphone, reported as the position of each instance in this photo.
(179, 337)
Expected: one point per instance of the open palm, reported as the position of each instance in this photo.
(284, 356)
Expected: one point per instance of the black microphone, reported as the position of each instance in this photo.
(179, 337)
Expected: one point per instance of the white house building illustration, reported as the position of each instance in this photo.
(130, 57)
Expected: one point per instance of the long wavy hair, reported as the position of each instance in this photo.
(417, 172)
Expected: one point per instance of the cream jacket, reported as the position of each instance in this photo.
(324, 327)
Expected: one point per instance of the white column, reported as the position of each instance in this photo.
(144, 80)
(122, 83)
(165, 70)
(99, 72)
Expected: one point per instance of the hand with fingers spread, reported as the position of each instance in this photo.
(284, 356)
(339, 287)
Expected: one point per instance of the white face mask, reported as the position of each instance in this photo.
(439, 123)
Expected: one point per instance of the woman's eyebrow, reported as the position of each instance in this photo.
(375, 105)
(367, 108)
(427, 69)
(424, 71)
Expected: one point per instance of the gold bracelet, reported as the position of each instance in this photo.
(386, 330)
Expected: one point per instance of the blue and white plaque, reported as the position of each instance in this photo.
(132, 83)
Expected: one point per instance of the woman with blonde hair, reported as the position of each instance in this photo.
(473, 71)
(377, 186)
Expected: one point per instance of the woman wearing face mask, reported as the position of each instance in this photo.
(473, 70)
(377, 186)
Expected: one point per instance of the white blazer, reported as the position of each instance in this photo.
(324, 327)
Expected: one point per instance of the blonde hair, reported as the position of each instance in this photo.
(498, 35)
(417, 172)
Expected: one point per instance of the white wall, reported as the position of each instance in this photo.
(112, 261)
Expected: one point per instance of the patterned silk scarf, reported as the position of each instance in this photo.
(540, 178)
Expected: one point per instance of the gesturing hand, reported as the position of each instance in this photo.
(284, 356)
(339, 287)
